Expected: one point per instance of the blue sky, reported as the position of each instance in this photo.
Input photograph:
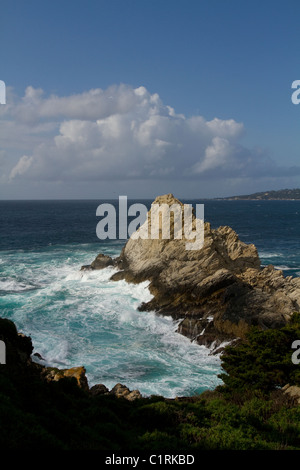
(201, 94)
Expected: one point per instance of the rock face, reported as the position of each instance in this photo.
(121, 391)
(78, 373)
(216, 291)
(293, 391)
(102, 261)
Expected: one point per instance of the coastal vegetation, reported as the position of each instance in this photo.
(250, 410)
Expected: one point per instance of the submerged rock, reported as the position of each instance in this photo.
(102, 261)
(217, 291)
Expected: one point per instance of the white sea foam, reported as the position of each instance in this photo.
(269, 254)
(53, 350)
(83, 318)
(14, 285)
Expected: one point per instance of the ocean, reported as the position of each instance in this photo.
(81, 318)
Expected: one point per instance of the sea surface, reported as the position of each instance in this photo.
(82, 318)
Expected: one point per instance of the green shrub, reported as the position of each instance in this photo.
(248, 412)
(264, 361)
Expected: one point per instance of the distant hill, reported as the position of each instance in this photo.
(280, 194)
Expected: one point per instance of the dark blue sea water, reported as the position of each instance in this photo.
(81, 318)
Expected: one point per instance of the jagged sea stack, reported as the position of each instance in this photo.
(217, 291)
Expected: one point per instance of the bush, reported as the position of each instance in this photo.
(248, 412)
(262, 362)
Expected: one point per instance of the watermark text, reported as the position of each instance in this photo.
(296, 354)
(163, 222)
(2, 92)
(2, 352)
(296, 94)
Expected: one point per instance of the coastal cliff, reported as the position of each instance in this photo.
(217, 291)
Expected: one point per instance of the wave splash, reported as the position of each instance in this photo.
(82, 318)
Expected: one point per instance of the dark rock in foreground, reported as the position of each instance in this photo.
(217, 291)
(19, 354)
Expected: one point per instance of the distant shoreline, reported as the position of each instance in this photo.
(250, 199)
(279, 195)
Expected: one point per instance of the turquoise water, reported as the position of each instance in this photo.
(82, 318)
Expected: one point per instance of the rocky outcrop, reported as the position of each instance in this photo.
(101, 261)
(292, 391)
(217, 291)
(119, 391)
(78, 373)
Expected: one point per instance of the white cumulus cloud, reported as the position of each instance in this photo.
(121, 133)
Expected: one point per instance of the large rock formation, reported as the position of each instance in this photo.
(216, 291)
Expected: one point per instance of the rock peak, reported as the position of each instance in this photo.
(167, 199)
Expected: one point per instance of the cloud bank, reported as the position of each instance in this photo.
(122, 133)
